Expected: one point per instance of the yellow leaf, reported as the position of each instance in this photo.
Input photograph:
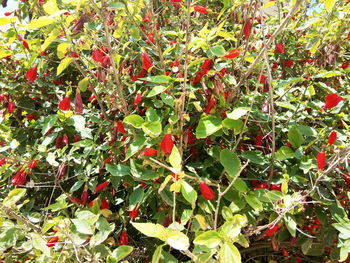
(249, 58)
(178, 187)
(4, 53)
(63, 65)
(53, 35)
(163, 185)
(4, 21)
(268, 4)
(201, 220)
(329, 4)
(62, 50)
(40, 22)
(175, 158)
(50, 7)
(106, 212)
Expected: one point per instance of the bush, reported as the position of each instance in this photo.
(175, 131)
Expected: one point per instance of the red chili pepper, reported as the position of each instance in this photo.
(25, 44)
(271, 230)
(149, 152)
(64, 104)
(11, 107)
(206, 191)
(233, 53)
(104, 204)
(84, 197)
(19, 178)
(246, 28)
(332, 137)
(108, 160)
(137, 99)
(200, 9)
(134, 212)
(280, 48)
(58, 142)
(212, 103)
(207, 65)
(321, 160)
(124, 240)
(332, 100)
(52, 241)
(78, 103)
(101, 186)
(167, 143)
(146, 62)
(65, 140)
(32, 164)
(264, 185)
(277, 187)
(31, 117)
(31, 74)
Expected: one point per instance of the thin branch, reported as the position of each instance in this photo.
(261, 53)
(221, 194)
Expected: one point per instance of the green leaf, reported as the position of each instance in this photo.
(135, 146)
(76, 186)
(189, 193)
(237, 113)
(40, 244)
(236, 125)
(178, 240)
(211, 239)
(207, 126)
(105, 229)
(254, 157)
(167, 99)
(151, 230)
(40, 22)
(329, 4)
(118, 170)
(158, 79)
(284, 153)
(82, 85)
(229, 253)
(14, 196)
(134, 120)
(175, 158)
(328, 74)
(121, 252)
(116, 5)
(295, 137)
(83, 226)
(152, 129)
(230, 161)
(161, 256)
(217, 51)
(254, 202)
(8, 238)
(136, 196)
(291, 224)
(63, 65)
(240, 186)
(306, 246)
(79, 125)
(156, 90)
(49, 122)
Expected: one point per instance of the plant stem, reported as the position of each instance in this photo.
(221, 194)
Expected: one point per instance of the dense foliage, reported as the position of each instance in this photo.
(175, 131)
